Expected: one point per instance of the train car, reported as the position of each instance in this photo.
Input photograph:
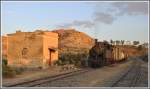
(108, 54)
(119, 54)
(102, 54)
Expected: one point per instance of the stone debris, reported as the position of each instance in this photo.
(68, 67)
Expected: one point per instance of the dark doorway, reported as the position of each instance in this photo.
(51, 51)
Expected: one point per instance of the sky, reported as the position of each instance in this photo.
(101, 20)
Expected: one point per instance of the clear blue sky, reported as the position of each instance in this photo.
(126, 22)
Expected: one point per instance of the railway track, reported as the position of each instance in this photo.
(40, 81)
(137, 76)
(132, 77)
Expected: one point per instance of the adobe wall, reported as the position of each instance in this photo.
(25, 50)
(50, 41)
(4, 46)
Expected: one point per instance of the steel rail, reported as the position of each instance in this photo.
(47, 79)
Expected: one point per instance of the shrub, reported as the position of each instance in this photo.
(78, 59)
(18, 70)
(8, 71)
(4, 62)
(145, 58)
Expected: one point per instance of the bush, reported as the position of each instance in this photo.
(8, 71)
(18, 70)
(4, 62)
(71, 58)
(145, 58)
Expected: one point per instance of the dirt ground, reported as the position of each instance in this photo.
(100, 77)
(33, 75)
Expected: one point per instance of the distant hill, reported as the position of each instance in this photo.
(74, 41)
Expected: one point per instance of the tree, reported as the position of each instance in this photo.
(122, 42)
(117, 42)
(111, 41)
(136, 42)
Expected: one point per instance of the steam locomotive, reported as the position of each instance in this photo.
(102, 53)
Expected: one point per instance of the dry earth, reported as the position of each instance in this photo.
(102, 77)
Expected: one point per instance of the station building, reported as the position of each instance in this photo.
(37, 49)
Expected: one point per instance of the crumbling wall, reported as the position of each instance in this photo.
(50, 42)
(4, 47)
(25, 50)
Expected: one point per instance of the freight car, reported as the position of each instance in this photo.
(119, 54)
(102, 53)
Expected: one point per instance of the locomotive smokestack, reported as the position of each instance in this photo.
(96, 41)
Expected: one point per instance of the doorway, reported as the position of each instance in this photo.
(51, 52)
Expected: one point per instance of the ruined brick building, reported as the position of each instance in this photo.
(37, 49)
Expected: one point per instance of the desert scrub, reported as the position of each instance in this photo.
(79, 59)
(6, 70)
(145, 58)
(9, 71)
